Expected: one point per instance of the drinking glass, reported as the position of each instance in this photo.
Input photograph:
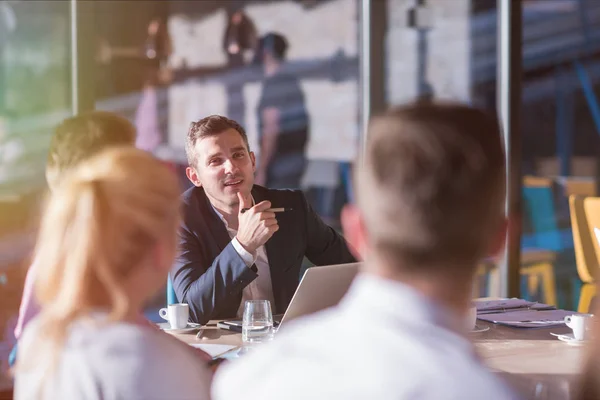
(257, 325)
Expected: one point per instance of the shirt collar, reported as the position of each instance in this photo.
(397, 301)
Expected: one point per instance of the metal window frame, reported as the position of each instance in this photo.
(508, 89)
(83, 51)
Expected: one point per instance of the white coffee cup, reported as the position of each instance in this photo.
(581, 324)
(177, 315)
(471, 318)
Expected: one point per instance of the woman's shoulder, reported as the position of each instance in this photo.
(135, 361)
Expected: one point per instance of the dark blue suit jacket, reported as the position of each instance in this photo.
(208, 273)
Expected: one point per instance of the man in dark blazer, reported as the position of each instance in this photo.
(241, 241)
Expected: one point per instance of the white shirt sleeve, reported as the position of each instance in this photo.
(248, 258)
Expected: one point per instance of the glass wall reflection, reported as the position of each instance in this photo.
(286, 70)
(34, 97)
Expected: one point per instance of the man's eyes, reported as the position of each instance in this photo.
(219, 161)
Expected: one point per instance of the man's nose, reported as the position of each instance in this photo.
(231, 167)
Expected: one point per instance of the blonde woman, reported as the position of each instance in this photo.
(106, 243)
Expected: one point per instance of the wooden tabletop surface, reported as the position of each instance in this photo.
(503, 349)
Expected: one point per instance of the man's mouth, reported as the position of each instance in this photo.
(233, 182)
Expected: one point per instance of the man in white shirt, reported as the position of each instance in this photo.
(430, 205)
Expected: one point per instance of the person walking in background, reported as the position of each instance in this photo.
(106, 243)
(283, 119)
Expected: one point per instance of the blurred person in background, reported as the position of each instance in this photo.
(430, 205)
(154, 69)
(75, 140)
(240, 39)
(283, 130)
(106, 243)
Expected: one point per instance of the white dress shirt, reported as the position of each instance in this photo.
(260, 288)
(383, 341)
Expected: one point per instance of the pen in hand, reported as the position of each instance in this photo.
(275, 210)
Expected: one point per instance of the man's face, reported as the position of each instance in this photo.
(224, 167)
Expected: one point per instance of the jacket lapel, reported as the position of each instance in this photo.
(213, 222)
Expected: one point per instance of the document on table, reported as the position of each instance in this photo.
(213, 350)
(508, 305)
(528, 318)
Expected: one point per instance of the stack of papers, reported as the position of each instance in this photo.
(528, 318)
(519, 313)
(506, 305)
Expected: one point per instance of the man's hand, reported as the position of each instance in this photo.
(255, 226)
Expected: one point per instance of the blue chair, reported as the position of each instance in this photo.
(171, 296)
(540, 207)
(539, 202)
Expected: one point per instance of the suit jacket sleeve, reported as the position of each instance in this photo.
(207, 288)
(324, 245)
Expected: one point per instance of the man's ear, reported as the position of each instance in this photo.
(354, 231)
(253, 159)
(192, 175)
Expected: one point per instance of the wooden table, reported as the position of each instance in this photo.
(533, 361)
(528, 351)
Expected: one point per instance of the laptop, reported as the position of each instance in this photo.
(320, 288)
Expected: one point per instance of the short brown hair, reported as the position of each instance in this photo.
(209, 126)
(432, 185)
(80, 137)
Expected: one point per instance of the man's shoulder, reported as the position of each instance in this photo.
(191, 195)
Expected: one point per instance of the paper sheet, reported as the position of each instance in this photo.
(528, 318)
(508, 305)
(213, 349)
(499, 305)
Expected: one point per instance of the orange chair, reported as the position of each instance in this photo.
(585, 215)
(580, 186)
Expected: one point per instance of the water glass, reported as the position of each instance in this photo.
(257, 325)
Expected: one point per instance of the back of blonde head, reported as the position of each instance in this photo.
(99, 225)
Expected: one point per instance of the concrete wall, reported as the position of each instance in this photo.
(448, 56)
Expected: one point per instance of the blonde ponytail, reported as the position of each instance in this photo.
(98, 225)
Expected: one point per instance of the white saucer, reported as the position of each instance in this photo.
(477, 329)
(190, 328)
(568, 338)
